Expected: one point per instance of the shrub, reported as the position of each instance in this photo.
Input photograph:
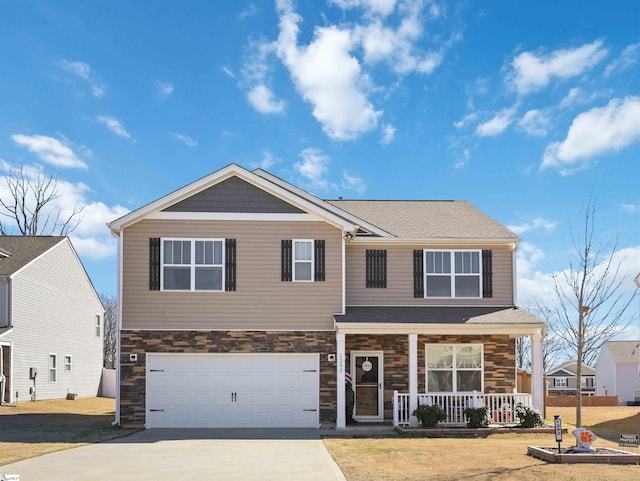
(477, 417)
(430, 415)
(528, 417)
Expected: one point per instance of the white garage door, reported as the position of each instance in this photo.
(232, 390)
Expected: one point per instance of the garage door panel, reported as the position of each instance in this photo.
(232, 390)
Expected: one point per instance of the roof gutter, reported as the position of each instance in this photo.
(512, 242)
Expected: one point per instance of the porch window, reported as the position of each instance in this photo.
(192, 265)
(452, 273)
(454, 367)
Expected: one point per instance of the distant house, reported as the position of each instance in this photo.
(51, 321)
(618, 371)
(563, 380)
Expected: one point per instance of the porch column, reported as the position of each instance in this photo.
(341, 421)
(537, 375)
(413, 377)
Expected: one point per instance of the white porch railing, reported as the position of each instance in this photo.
(502, 407)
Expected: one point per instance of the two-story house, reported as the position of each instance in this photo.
(563, 381)
(246, 301)
(51, 321)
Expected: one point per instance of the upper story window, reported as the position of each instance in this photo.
(98, 325)
(454, 367)
(53, 367)
(192, 264)
(560, 382)
(452, 273)
(302, 260)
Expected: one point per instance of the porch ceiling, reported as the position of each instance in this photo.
(438, 320)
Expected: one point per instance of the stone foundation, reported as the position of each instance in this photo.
(132, 375)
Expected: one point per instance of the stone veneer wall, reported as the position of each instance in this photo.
(395, 362)
(132, 375)
(499, 360)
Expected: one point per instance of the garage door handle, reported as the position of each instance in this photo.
(156, 410)
(156, 370)
(309, 370)
(309, 410)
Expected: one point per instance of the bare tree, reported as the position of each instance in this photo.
(110, 329)
(28, 204)
(588, 305)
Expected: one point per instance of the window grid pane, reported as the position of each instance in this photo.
(463, 281)
(205, 271)
(454, 368)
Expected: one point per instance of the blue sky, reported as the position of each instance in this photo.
(523, 108)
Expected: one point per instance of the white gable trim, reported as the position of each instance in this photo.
(219, 176)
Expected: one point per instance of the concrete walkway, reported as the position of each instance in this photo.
(190, 454)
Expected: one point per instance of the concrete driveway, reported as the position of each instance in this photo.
(190, 454)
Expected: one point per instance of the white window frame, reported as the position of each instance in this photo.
(454, 369)
(69, 364)
(192, 265)
(311, 261)
(53, 367)
(98, 325)
(561, 382)
(453, 275)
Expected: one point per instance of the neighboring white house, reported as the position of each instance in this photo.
(51, 321)
(618, 371)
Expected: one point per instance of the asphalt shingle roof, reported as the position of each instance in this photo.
(438, 315)
(427, 219)
(624, 351)
(22, 250)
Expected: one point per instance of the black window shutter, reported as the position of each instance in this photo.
(230, 265)
(286, 261)
(154, 264)
(418, 273)
(487, 274)
(376, 268)
(319, 260)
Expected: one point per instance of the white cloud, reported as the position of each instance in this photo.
(249, 11)
(496, 125)
(629, 208)
(535, 122)
(353, 182)
(528, 258)
(80, 69)
(165, 89)
(263, 100)
(465, 120)
(372, 7)
(267, 161)
(85, 72)
(463, 160)
(327, 76)
(314, 168)
(229, 73)
(601, 130)
(50, 150)
(532, 72)
(577, 96)
(189, 142)
(91, 238)
(114, 125)
(388, 134)
(628, 58)
(536, 224)
(535, 286)
(99, 91)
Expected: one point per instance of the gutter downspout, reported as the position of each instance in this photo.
(118, 327)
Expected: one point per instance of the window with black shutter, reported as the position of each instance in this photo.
(302, 260)
(418, 273)
(230, 265)
(487, 274)
(376, 268)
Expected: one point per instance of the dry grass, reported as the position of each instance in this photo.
(497, 457)
(32, 429)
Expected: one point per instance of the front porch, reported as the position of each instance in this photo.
(407, 356)
(502, 407)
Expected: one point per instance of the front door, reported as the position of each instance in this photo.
(367, 375)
